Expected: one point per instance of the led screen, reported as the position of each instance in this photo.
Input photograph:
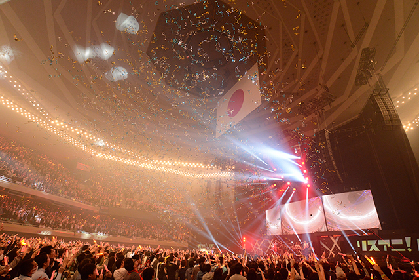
(273, 221)
(350, 211)
(303, 217)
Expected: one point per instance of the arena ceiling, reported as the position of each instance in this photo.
(74, 63)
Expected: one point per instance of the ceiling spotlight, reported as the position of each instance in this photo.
(103, 51)
(6, 54)
(127, 23)
(116, 74)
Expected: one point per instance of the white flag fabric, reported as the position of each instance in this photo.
(240, 100)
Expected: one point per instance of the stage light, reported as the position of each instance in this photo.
(249, 150)
(81, 54)
(127, 23)
(103, 51)
(100, 143)
(116, 74)
(48, 124)
(65, 132)
(278, 154)
(288, 183)
(244, 239)
(6, 54)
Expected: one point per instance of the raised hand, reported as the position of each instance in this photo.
(377, 267)
(61, 269)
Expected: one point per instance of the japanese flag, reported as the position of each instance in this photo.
(239, 101)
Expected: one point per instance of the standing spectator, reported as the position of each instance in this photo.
(89, 272)
(236, 271)
(188, 273)
(132, 274)
(182, 270)
(27, 268)
(197, 268)
(171, 268)
(121, 272)
(205, 268)
(161, 270)
(43, 261)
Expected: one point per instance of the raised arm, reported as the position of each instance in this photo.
(320, 271)
(292, 262)
(382, 274)
(353, 263)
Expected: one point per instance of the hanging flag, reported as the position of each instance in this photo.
(239, 101)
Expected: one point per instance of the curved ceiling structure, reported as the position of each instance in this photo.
(78, 75)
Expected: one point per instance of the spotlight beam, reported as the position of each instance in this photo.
(231, 223)
(288, 201)
(233, 239)
(237, 220)
(307, 218)
(347, 239)
(246, 149)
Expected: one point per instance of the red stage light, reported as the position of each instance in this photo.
(288, 183)
(305, 171)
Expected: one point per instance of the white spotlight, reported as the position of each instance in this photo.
(104, 51)
(100, 143)
(81, 53)
(2, 72)
(116, 74)
(6, 54)
(127, 23)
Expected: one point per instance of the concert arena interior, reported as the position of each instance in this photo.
(209, 139)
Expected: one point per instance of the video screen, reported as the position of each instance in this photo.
(303, 217)
(273, 221)
(350, 211)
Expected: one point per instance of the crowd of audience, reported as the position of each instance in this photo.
(123, 188)
(36, 259)
(44, 213)
(25, 167)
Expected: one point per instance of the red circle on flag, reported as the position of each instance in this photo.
(235, 103)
